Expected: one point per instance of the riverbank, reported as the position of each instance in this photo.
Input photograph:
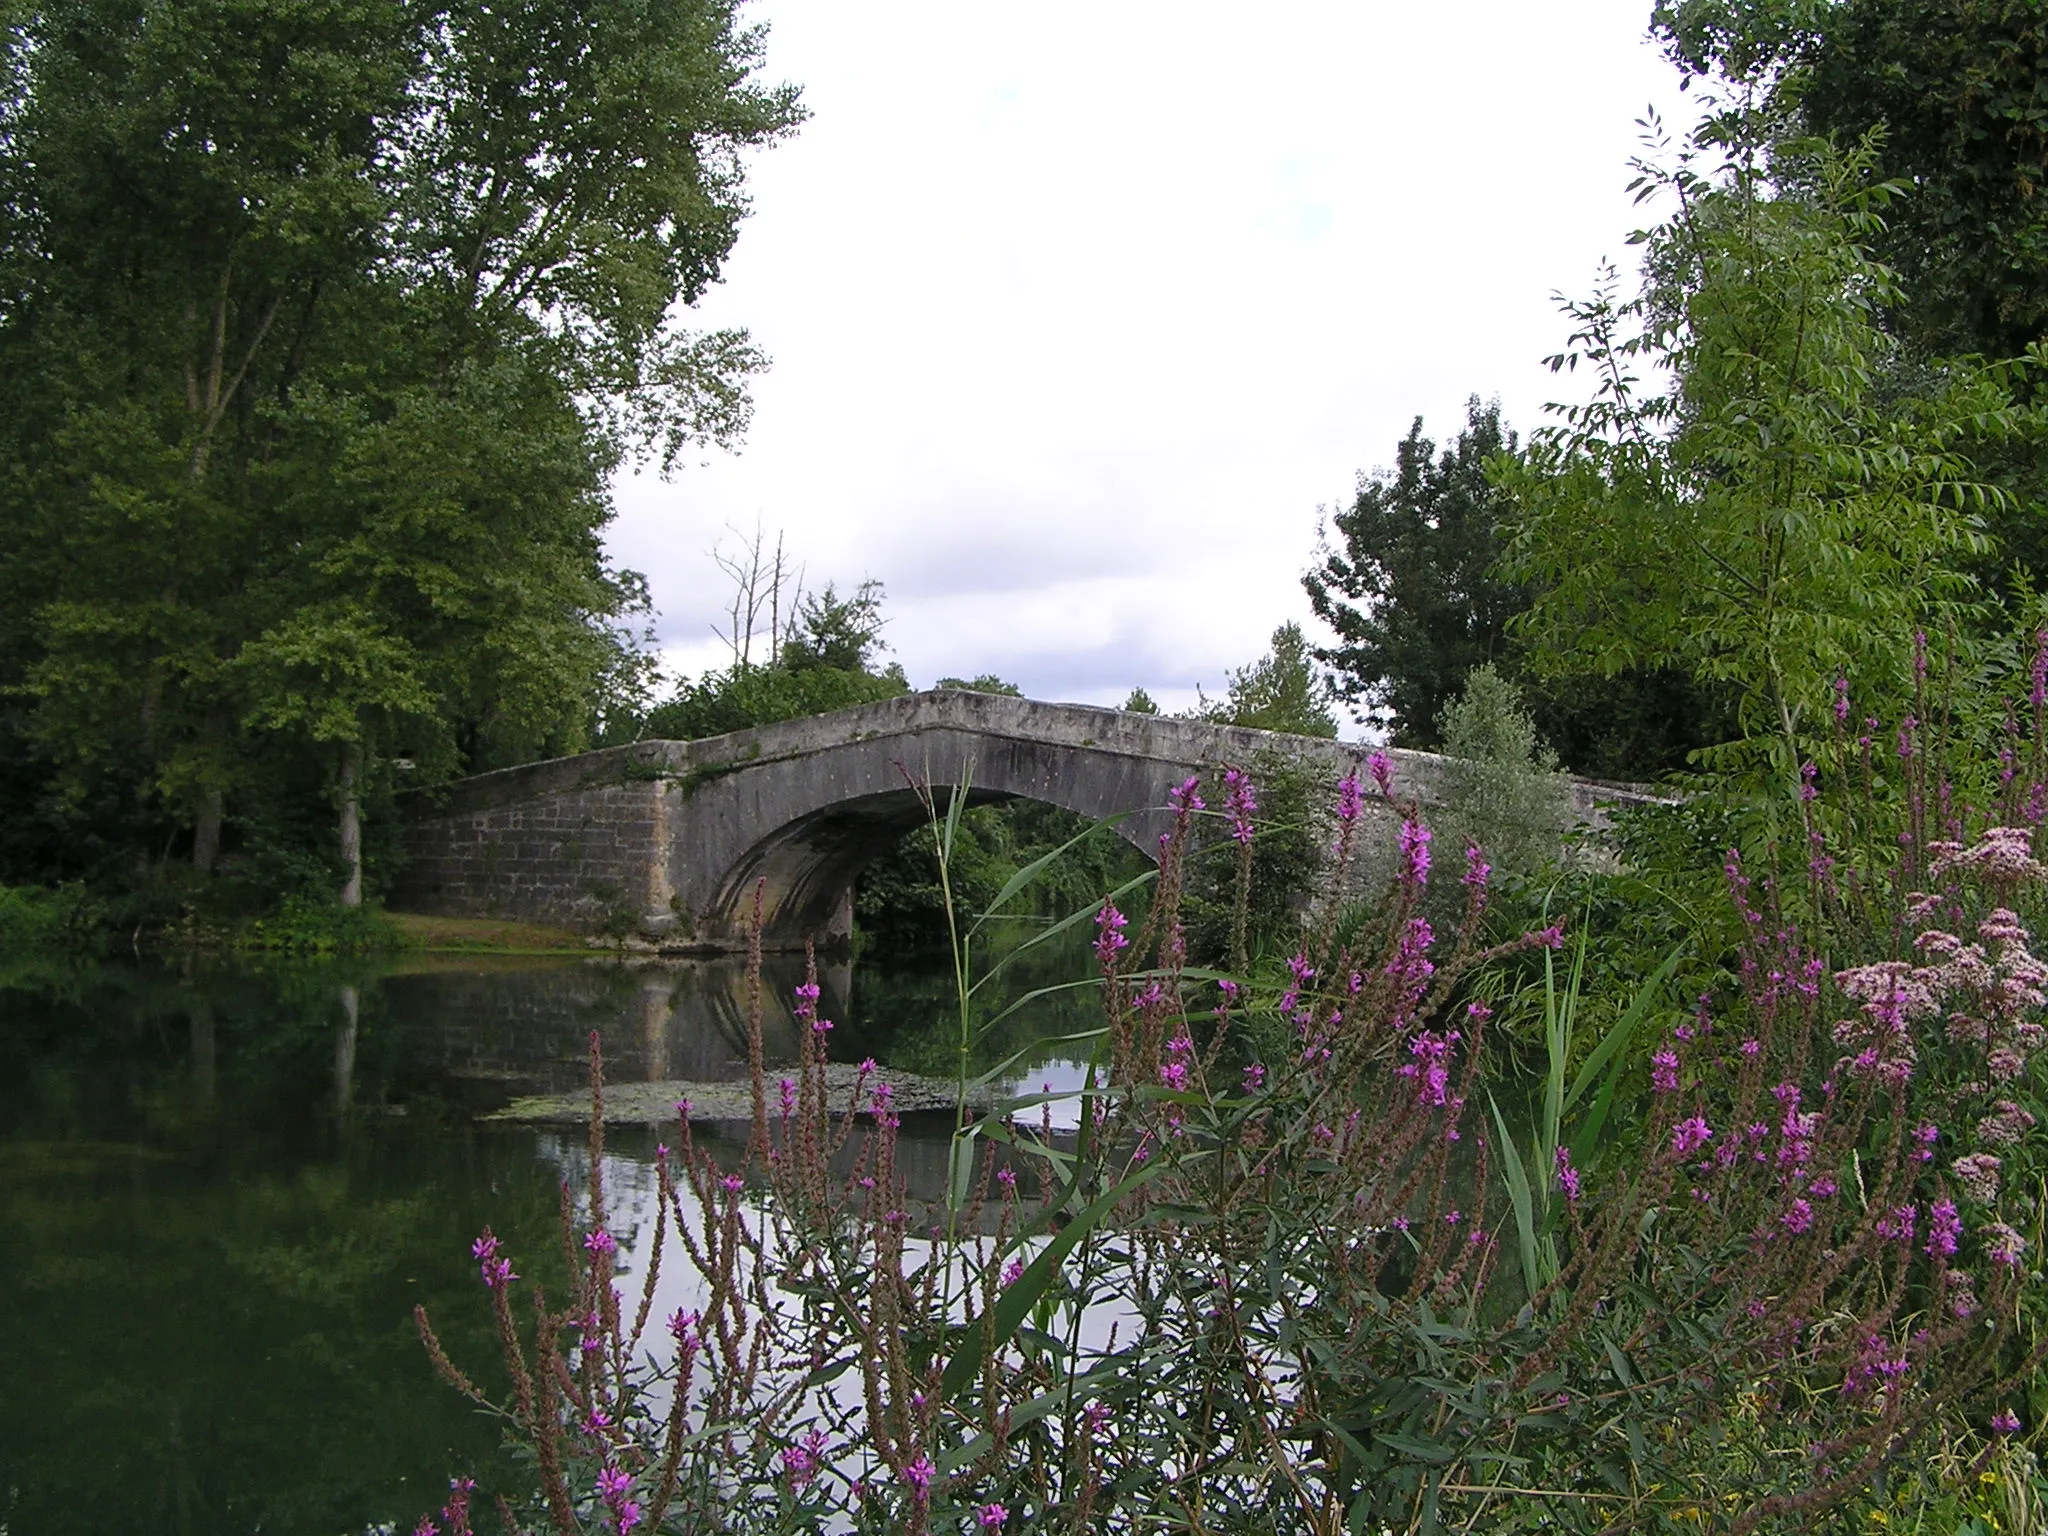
(484, 936)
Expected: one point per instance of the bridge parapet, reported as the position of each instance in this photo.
(671, 839)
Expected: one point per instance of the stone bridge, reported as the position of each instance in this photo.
(668, 839)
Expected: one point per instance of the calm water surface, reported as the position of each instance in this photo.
(223, 1190)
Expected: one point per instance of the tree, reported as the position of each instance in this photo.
(840, 633)
(1414, 590)
(1954, 87)
(1279, 692)
(986, 682)
(1410, 588)
(1504, 792)
(1947, 93)
(324, 325)
(1773, 517)
(1140, 703)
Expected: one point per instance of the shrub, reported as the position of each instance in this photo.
(36, 917)
(313, 925)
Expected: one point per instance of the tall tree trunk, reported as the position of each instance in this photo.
(351, 824)
(206, 830)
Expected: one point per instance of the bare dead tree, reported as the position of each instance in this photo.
(760, 579)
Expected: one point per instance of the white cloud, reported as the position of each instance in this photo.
(1079, 312)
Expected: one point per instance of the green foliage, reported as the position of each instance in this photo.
(1413, 588)
(987, 682)
(1504, 792)
(309, 925)
(323, 329)
(1954, 87)
(35, 917)
(834, 633)
(746, 696)
(1773, 517)
(1286, 866)
(1140, 703)
(1409, 585)
(1948, 94)
(1281, 691)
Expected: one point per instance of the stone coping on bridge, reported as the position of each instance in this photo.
(1419, 775)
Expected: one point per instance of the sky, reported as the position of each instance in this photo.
(1081, 316)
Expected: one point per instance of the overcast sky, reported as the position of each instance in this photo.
(1081, 314)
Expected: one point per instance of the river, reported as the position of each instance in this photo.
(225, 1186)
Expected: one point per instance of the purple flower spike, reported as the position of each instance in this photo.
(1241, 804)
(1688, 1136)
(1382, 770)
(2005, 1422)
(1186, 796)
(992, 1517)
(1109, 935)
(1414, 853)
(1350, 799)
(1567, 1175)
(1664, 1071)
(918, 1474)
(1477, 871)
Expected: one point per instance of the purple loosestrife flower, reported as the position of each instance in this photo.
(1688, 1136)
(1944, 1228)
(1798, 1217)
(1567, 1175)
(1899, 1223)
(1808, 791)
(496, 1272)
(992, 1517)
(1664, 1071)
(1254, 1077)
(918, 1474)
(1414, 853)
(1109, 935)
(1381, 767)
(1350, 799)
(2005, 1422)
(801, 1461)
(1241, 804)
(1477, 871)
(1841, 701)
(1012, 1273)
(1186, 796)
(601, 1241)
